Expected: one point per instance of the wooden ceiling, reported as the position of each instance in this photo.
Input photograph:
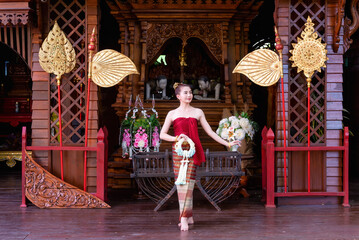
(179, 10)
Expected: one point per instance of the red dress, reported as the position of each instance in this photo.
(189, 127)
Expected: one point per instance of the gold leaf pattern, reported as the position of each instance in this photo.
(109, 67)
(261, 66)
(56, 54)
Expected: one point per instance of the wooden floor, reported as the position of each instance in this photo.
(135, 219)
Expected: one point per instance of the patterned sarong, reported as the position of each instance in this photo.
(185, 191)
(185, 199)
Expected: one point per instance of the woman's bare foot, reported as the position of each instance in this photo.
(190, 220)
(183, 224)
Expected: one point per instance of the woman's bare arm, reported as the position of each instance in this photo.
(166, 126)
(207, 128)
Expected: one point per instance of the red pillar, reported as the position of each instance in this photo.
(346, 168)
(264, 163)
(100, 182)
(23, 157)
(270, 170)
(105, 131)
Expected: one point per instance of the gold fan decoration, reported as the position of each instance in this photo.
(309, 54)
(261, 66)
(109, 67)
(56, 54)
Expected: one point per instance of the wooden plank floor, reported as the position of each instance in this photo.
(135, 219)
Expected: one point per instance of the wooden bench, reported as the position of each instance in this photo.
(217, 178)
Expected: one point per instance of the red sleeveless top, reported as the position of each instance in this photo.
(189, 127)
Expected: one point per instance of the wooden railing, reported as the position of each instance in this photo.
(268, 169)
(101, 149)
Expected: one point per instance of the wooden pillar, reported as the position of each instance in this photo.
(237, 83)
(92, 21)
(283, 31)
(143, 55)
(226, 69)
(40, 124)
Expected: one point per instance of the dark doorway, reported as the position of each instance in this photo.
(15, 105)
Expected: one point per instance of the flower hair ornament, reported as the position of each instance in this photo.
(175, 85)
(181, 179)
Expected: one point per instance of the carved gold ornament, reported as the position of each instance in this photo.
(56, 54)
(109, 67)
(309, 54)
(45, 190)
(261, 66)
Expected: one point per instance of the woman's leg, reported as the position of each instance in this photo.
(185, 200)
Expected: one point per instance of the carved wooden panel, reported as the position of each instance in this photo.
(299, 12)
(17, 37)
(45, 190)
(351, 26)
(337, 24)
(14, 18)
(210, 34)
(190, 4)
(70, 15)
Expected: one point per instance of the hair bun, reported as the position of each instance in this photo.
(175, 85)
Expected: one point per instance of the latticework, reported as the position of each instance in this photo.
(298, 129)
(70, 15)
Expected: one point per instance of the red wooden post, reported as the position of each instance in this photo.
(270, 170)
(100, 188)
(308, 144)
(105, 131)
(264, 163)
(23, 157)
(346, 168)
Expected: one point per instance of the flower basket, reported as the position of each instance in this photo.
(140, 132)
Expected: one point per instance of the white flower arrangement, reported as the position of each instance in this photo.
(237, 128)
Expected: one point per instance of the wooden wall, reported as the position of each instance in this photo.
(283, 31)
(333, 105)
(334, 114)
(41, 94)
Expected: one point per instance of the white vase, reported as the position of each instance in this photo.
(234, 148)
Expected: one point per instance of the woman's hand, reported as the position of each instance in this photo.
(236, 142)
(184, 136)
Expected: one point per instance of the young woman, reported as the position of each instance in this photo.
(185, 119)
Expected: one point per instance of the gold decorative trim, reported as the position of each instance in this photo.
(11, 157)
(45, 190)
(309, 54)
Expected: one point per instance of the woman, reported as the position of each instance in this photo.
(184, 120)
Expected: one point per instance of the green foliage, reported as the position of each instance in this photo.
(140, 122)
(126, 123)
(153, 120)
(253, 123)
